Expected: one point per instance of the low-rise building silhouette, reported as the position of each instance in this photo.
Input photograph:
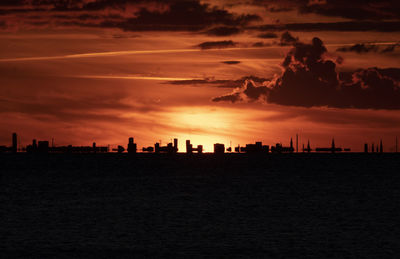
(148, 149)
(119, 149)
(169, 148)
(219, 148)
(43, 147)
(279, 148)
(258, 147)
(190, 149)
(308, 149)
(3, 149)
(331, 149)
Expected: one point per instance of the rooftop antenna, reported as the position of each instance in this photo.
(297, 143)
(396, 144)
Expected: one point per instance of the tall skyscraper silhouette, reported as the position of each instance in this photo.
(131, 146)
(14, 146)
(291, 144)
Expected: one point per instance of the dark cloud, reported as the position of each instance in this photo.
(268, 35)
(287, 39)
(217, 44)
(390, 48)
(311, 80)
(223, 31)
(383, 26)
(261, 44)
(233, 97)
(182, 15)
(355, 9)
(140, 15)
(12, 2)
(231, 62)
(219, 83)
(366, 48)
(194, 15)
(249, 91)
(359, 48)
(77, 5)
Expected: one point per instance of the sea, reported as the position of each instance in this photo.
(296, 205)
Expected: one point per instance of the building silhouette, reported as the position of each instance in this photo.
(120, 149)
(190, 149)
(258, 147)
(43, 147)
(169, 148)
(14, 147)
(148, 149)
(308, 149)
(279, 148)
(219, 148)
(132, 147)
(331, 149)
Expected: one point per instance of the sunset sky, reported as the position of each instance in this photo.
(210, 71)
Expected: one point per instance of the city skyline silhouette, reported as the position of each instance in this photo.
(44, 146)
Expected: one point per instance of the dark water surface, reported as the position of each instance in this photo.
(277, 206)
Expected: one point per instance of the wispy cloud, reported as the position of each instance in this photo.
(114, 53)
(131, 77)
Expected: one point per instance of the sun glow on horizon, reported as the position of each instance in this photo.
(202, 126)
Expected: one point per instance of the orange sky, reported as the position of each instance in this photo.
(80, 83)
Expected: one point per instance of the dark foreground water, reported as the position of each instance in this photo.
(273, 206)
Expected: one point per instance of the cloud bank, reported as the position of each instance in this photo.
(366, 48)
(309, 79)
(127, 15)
(217, 44)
